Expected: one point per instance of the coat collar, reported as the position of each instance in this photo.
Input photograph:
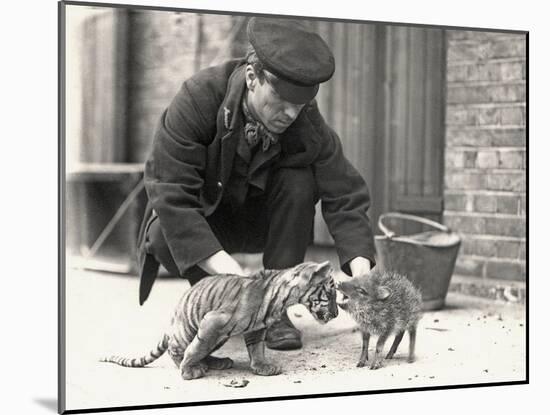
(229, 118)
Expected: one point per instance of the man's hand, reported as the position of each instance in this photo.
(359, 266)
(221, 263)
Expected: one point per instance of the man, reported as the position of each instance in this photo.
(240, 158)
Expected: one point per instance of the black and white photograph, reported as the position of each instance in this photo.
(261, 207)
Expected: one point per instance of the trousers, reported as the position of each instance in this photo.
(278, 222)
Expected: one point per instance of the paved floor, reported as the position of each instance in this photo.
(470, 341)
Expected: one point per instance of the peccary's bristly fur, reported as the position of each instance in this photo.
(382, 303)
(397, 312)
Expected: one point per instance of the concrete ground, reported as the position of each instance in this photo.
(471, 340)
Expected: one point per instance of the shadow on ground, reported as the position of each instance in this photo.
(48, 403)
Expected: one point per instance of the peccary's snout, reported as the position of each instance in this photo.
(342, 299)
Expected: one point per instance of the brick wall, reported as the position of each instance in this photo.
(165, 48)
(485, 155)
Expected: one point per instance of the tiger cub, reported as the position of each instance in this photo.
(222, 306)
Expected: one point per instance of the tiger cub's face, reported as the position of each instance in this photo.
(320, 297)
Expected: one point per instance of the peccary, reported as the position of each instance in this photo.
(382, 303)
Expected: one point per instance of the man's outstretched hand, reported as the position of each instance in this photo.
(359, 266)
(221, 263)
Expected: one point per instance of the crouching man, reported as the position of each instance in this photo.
(240, 158)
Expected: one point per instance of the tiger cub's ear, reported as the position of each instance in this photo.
(314, 273)
(321, 272)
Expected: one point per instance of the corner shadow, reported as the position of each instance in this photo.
(48, 403)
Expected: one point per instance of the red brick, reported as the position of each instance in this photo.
(506, 71)
(466, 181)
(467, 51)
(458, 159)
(505, 226)
(505, 137)
(457, 73)
(454, 159)
(493, 93)
(506, 270)
(467, 246)
(470, 158)
(515, 182)
(507, 204)
(512, 71)
(508, 48)
(468, 137)
(478, 247)
(507, 249)
(485, 204)
(455, 202)
(492, 47)
(465, 224)
(487, 159)
(513, 137)
(512, 116)
(460, 116)
(487, 116)
(511, 159)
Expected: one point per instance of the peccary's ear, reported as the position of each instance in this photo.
(382, 292)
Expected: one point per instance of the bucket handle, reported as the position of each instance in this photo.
(391, 234)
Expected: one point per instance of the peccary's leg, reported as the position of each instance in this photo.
(412, 341)
(377, 359)
(209, 335)
(395, 344)
(255, 344)
(365, 350)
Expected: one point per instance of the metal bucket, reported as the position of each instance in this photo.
(426, 258)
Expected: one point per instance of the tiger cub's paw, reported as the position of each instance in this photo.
(266, 369)
(218, 363)
(193, 372)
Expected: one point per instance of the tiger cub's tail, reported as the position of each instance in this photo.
(153, 355)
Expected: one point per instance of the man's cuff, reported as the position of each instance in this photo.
(191, 251)
(352, 249)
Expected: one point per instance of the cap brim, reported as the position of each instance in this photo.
(296, 94)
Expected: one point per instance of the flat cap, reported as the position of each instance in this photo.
(299, 58)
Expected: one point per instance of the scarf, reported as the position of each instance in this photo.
(255, 131)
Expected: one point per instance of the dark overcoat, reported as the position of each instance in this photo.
(190, 163)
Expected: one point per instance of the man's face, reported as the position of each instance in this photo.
(267, 106)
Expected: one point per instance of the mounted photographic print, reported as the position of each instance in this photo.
(261, 207)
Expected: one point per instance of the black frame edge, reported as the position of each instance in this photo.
(61, 333)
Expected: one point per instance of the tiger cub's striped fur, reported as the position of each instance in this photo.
(222, 306)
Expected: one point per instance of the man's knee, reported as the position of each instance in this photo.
(296, 186)
(156, 245)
